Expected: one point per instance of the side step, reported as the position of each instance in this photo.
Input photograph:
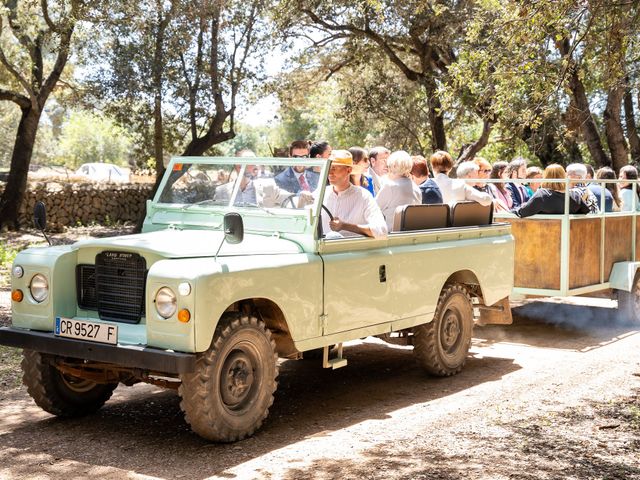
(337, 362)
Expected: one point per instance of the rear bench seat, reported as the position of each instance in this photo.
(440, 215)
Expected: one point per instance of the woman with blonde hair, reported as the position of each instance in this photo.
(398, 189)
(549, 198)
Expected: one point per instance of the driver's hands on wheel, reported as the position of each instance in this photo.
(336, 224)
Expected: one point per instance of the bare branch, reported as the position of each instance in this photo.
(17, 98)
(45, 12)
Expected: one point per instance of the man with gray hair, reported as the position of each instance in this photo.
(468, 169)
(578, 171)
(378, 166)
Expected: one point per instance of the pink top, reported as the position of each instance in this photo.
(503, 197)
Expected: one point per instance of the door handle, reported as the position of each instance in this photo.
(382, 273)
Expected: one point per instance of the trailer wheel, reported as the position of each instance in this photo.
(629, 302)
(441, 346)
(229, 395)
(59, 393)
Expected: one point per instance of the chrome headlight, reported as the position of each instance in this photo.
(39, 287)
(166, 304)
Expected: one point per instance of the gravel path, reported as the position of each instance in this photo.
(535, 400)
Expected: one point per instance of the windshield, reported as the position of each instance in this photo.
(247, 182)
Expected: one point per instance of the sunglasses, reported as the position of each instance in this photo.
(485, 170)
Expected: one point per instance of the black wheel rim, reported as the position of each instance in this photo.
(451, 331)
(239, 379)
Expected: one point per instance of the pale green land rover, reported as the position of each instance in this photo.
(233, 272)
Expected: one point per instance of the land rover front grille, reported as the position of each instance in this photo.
(114, 286)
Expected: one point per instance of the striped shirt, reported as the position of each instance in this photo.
(355, 205)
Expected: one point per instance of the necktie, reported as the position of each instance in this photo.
(303, 183)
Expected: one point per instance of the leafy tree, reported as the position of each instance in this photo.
(35, 38)
(88, 138)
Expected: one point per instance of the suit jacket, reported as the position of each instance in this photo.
(517, 194)
(430, 192)
(288, 180)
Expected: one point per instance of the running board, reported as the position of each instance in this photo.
(333, 363)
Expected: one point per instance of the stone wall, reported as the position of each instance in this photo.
(71, 203)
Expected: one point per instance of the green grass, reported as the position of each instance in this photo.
(10, 372)
(7, 255)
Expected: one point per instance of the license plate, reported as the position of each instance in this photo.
(81, 329)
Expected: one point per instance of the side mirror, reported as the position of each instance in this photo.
(233, 228)
(40, 216)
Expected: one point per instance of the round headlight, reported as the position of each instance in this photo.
(39, 287)
(166, 303)
(17, 271)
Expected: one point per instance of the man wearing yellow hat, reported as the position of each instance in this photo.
(353, 208)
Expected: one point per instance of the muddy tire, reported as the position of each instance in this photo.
(629, 303)
(441, 346)
(58, 393)
(229, 395)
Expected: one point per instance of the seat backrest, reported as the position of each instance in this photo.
(420, 217)
(468, 214)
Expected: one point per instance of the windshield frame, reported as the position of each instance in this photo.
(187, 209)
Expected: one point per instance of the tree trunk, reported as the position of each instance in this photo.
(471, 150)
(632, 129)
(580, 103)
(613, 128)
(436, 120)
(13, 194)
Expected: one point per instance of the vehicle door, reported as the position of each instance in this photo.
(356, 291)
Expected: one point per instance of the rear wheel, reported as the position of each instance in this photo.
(629, 302)
(59, 393)
(441, 346)
(229, 395)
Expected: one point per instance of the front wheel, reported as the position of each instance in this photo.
(229, 395)
(441, 346)
(59, 393)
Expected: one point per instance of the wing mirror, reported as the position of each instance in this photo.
(233, 228)
(40, 218)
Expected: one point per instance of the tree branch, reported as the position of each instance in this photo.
(19, 99)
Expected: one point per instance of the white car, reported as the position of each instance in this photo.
(103, 172)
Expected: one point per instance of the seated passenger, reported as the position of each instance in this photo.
(629, 172)
(549, 198)
(353, 208)
(484, 171)
(578, 171)
(609, 190)
(454, 190)
(298, 178)
(533, 173)
(499, 191)
(398, 189)
(517, 169)
(360, 174)
(428, 188)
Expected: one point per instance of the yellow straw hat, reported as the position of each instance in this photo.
(342, 157)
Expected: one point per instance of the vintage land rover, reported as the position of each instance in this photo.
(232, 273)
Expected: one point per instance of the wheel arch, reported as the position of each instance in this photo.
(468, 278)
(274, 319)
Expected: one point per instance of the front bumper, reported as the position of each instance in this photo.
(134, 356)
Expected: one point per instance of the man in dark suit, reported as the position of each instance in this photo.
(298, 178)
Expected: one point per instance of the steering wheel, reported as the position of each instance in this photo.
(290, 199)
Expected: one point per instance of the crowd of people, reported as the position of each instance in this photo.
(366, 187)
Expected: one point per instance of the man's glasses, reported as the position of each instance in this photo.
(486, 170)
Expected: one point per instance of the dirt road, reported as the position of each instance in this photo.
(535, 400)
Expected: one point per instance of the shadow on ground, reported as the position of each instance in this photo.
(146, 432)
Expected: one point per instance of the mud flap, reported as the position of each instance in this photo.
(497, 314)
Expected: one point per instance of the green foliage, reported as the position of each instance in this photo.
(90, 138)
(7, 255)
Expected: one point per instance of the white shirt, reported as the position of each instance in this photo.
(355, 205)
(394, 193)
(458, 191)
